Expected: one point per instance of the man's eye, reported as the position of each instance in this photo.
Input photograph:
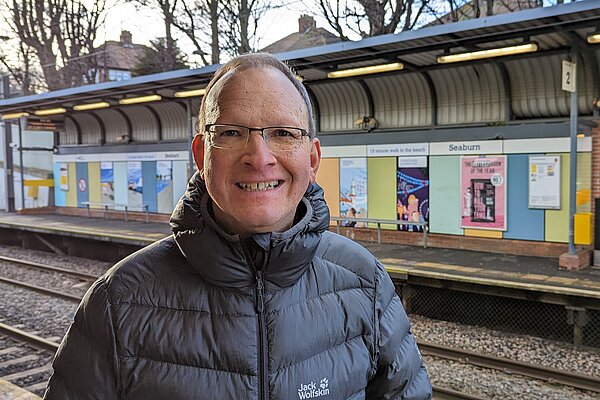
(282, 133)
(230, 133)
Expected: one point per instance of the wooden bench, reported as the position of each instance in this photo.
(114, 206)
(424, 225)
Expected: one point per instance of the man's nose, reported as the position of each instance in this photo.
(257, 153)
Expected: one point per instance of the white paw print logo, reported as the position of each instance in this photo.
(324, 383)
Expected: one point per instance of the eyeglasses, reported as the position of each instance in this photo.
(234, 137)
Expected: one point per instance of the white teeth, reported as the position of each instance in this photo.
(258, 186)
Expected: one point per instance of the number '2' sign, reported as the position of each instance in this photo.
(569, 81)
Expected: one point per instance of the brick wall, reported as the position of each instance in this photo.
(595, 172)
(503, 246)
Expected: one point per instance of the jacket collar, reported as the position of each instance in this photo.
(223, 259)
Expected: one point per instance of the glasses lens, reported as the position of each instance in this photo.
(228, 136)
(283, 138)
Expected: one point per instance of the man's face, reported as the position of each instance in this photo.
(256, 98)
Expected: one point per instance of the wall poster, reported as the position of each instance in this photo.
(134, 183)
(64, 176)
(164, 186)
(544, 182)
(483, 192)
(353, 189)
(107, 182)
(412, 202)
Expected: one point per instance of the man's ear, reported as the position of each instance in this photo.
(315, 159)
(198, 151)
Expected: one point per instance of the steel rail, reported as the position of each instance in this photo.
(39, 289)
(580, 381)
(442, 393)
(29, 338)
(49, 268)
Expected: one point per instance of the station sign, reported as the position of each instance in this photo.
(464, 148)
(44, 124)
(397, 150)
(569, 77)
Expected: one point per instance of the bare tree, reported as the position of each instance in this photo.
(241, 19)
(59, 34)
(230, 25)
(204, 36)
(371, 17)
(168, 9)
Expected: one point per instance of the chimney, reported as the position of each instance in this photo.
(305, 23)
(126, 37)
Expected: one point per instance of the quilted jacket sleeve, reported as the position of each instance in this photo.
(400, 370)
(86, 363)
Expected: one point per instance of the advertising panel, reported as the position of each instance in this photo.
(134, 183)
(353, 189)
(164, 186)
(544, 182)
(483, 192)
(413, 196)
(107, 182)
(64, 176)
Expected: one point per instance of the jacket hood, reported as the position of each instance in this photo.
(222, 259)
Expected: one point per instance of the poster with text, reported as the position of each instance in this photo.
(353, 189)
(412, 202)
(107, 182)
(544, 182)
(483, 192)
(134, 183)
(164, 186)
(63, 169)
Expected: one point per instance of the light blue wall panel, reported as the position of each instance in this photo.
(120, 174)
(60, 197)
(149, 179)
(180, 179)
(83, 191)
(523, 222)
(444, 195)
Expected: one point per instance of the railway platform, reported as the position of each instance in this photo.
(8, 391)
(402, 261)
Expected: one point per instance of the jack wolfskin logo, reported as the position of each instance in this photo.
(324, 383)
(311, 391)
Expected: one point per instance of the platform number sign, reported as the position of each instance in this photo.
(568, 76)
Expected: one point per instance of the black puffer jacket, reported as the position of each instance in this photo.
(303, 314)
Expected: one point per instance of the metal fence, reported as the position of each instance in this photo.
(423, 225)
(545, 320)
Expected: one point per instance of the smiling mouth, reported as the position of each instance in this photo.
(258, 186)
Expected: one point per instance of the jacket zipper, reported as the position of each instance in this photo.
(262, 337)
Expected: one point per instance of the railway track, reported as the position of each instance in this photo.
(50, 268)
(585, 382)
(25, 359)
(553, 375)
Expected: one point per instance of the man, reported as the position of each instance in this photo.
(252, 297)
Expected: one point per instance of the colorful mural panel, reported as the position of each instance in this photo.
(412, 202)
(353, 189)
(164, 186)
(134, 183)
(107, 182)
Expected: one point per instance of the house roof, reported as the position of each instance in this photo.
(119, 55)
(301, 40)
